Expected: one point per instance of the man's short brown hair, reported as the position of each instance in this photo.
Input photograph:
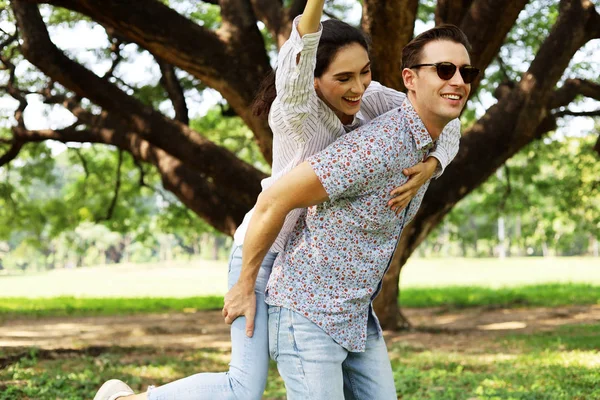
(411, 54)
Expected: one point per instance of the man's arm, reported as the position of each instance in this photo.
(300, 188)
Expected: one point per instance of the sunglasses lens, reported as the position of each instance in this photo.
(446, 70)
(469, 73)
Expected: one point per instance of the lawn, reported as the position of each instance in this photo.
(557, 362)
(203, 278)
(453, 297)
(562, 364)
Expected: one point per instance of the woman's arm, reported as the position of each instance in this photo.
(433, 167)
(294, 78)
(311, 17)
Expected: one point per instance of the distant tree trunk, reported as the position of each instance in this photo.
(196, 244)
(501, 239)
(545, 249)
(518, 237)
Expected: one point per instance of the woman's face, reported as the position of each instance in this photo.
(342, 85)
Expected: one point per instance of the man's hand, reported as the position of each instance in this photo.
(241, 300)
(417, 176)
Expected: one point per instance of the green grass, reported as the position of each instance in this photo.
(562, 364)
(583, 337)
(532, 367)
(11, 307)
(204, 278)
(549, 295)
(545, 295)
(530, 375)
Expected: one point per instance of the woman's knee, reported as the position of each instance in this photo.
(249, 385)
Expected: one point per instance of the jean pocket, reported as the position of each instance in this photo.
(235, 258)
(274, 318)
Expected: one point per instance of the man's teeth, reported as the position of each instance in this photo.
(353, 98)
(451, 96)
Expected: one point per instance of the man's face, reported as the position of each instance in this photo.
(439, 101)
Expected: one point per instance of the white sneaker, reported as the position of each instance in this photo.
(112, 390)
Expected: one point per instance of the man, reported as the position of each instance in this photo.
(322, 330)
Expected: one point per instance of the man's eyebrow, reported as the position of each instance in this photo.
(350, 72)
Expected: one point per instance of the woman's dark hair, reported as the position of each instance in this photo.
(335, 36)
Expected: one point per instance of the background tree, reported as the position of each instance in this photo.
(220, 44)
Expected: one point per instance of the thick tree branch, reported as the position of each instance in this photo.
(171, 136)
(171, 84)
(295, 8)
(174, 38)
(390, 23)
(270, 12)
(498, 17)
(12, 153)
(451, 11)
(571, 89)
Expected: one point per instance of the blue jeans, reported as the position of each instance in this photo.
(314, 367)
(248, 369)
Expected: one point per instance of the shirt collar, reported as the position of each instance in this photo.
(415, 125)
(357, 121)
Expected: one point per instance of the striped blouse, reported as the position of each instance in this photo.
(304, 125)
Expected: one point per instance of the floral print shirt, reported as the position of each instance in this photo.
(335, 258)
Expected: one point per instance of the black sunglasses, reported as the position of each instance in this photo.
(446, 71)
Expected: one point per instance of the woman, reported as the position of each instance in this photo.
(321, 90)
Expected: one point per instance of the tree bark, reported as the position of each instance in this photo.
(390, 23)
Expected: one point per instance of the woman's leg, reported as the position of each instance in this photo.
(247, 375)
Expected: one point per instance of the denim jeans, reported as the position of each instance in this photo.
(247, 375)
(314, 367)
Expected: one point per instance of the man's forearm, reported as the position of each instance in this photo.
(299, 188)
(265, 224)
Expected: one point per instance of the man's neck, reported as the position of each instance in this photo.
(434, 126)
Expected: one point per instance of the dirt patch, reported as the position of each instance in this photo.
(474, 329)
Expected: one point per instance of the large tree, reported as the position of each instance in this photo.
(232, 59)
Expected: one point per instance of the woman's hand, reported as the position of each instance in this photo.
(417, 176)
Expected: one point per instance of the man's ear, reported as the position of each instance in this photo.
(316, 83)
(409, 76)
